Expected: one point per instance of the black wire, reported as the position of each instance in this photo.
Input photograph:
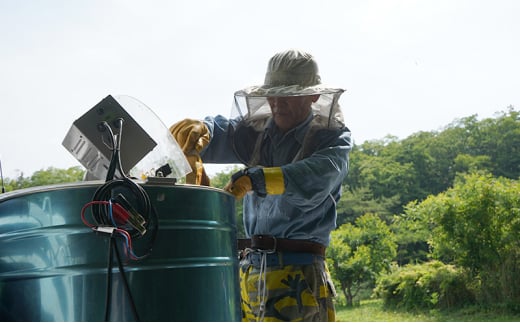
(2, 177)
(108, 300)
(144, 206)
(104, 192)
(101, 216)
(115, 162)
(125, 283)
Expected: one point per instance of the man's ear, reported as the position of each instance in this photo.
(315, 97)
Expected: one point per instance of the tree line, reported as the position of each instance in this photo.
(433, 220)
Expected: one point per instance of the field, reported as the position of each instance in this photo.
(373, 311)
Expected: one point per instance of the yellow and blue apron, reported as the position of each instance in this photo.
(285, 286)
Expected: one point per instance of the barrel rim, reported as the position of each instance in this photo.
(63, 186)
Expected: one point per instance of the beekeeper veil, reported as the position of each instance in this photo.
(290, 73)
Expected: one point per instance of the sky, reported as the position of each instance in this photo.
(407, 65)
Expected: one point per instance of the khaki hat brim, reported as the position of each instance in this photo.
(293, 90)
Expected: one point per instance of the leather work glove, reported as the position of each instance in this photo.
(192, 135)
(263, 181)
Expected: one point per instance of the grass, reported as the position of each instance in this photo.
(373, 311)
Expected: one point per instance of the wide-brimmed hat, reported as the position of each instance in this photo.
(290, 73)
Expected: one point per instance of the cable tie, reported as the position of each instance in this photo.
(104, 229)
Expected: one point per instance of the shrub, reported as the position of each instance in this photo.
(431, 285)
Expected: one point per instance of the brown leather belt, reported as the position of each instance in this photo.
(270, 243)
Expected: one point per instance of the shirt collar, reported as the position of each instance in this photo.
(298, 132)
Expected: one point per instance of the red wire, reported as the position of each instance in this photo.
(126, 235)
(128, 239)
(85, 208)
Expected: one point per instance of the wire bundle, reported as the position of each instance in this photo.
(112, 226)
(112, 213)
(111, 207)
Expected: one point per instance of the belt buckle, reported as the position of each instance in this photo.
(269, 251)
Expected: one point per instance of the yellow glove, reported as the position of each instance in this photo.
(198, 175)
(263, 181)
(239, 187)
(192, 135)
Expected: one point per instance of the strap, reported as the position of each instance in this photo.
(282, 258)
(270, 243)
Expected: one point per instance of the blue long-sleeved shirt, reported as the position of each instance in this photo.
(307, 208)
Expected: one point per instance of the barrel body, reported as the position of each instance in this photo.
(55, 268)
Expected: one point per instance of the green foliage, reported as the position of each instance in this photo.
(386, 175)
(427, 163)
(49, 176)
(475, 225)
(355, 203)
(220, 180)
(359, 252)
(429, 285)
(466, 163)
(412, 232)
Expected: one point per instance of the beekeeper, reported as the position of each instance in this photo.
(290, 135)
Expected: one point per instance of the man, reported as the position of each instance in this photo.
(290, 134)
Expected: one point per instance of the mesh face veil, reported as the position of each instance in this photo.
(290, 73)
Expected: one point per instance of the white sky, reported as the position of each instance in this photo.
(407, 65)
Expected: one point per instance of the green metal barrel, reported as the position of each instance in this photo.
(55, 268)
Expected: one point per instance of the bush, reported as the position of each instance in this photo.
(431, 285)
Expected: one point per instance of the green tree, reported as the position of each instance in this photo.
(354, 203)
(56, 176)
(476, 225)
(222, 178)
(412, 233)
(50, 176)
(465, 163)
(359, 253)
(219, 181)
(427, 162)
(385, 177)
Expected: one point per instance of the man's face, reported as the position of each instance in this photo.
(290, 111)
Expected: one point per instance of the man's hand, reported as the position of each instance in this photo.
(192, 135)
(261, 180)
(239, 185)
